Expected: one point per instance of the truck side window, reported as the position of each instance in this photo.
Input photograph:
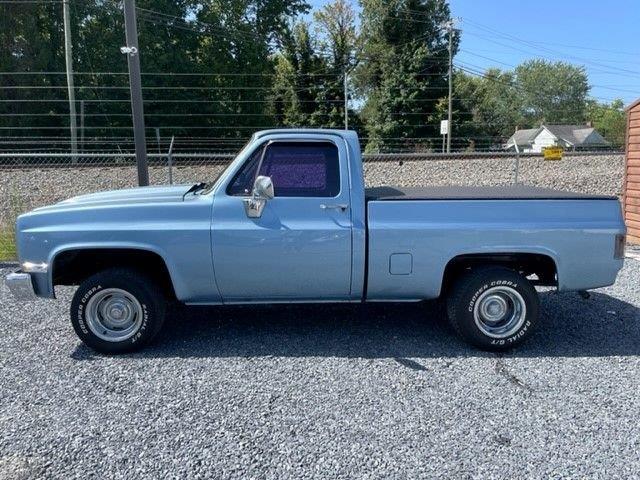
(297, 169)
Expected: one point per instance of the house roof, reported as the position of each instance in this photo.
(523, 137)
(576, 135)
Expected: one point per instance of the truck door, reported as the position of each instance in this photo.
(299, 248)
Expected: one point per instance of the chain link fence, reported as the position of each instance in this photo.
(30, 180)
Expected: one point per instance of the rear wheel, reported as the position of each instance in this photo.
(118, 310)
(493, 308)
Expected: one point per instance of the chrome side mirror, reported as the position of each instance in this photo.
(262, 191)
(263, 188)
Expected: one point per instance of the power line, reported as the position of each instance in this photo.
(607, 68)
(177, 74)
(186, 24)
(513, 66)
(111, 100)
(196, 74)
(532, 43)
(190, 127)
(17, 2)
(487, 58)
(146, 114)
(476, 70)
(244, 115)
(109, 87)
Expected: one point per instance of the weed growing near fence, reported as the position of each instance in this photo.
(7, 244)
(7, 231)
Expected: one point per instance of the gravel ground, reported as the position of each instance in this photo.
(384, 391)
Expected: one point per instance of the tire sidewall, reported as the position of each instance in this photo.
(93, 286)
(474, 290)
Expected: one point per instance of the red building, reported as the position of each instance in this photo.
(631, 195)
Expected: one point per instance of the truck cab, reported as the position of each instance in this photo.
(307, 242)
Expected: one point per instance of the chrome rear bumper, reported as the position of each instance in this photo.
(20, 285)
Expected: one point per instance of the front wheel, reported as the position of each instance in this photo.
(117, 310)
(493, 308)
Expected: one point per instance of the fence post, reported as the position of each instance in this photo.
(158, 140)
(82, 126)
(170, 161)
(517, 166)
(346, 100)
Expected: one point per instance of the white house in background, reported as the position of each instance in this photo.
(569, 137)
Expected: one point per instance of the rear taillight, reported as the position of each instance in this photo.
(621, 242)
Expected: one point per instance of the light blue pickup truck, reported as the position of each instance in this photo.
(290, 220)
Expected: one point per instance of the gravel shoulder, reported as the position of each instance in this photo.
(382, 391)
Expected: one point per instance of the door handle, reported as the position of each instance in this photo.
(338, 206)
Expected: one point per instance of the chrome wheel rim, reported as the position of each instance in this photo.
(114, 315)
(500, 312)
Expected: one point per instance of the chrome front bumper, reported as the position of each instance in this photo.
(20, 285)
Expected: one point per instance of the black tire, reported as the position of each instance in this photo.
(144, 298)
(466, 299)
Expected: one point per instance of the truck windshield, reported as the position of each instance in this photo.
(213, 182)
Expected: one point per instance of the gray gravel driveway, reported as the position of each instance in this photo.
(383, 391)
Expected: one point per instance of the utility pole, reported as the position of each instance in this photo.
(68, 57)
(346, 100)
(449, 27)
(135, 85)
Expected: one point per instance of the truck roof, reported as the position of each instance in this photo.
(346, 134)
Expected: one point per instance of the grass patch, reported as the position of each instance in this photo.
(7, 244)
(16, 206)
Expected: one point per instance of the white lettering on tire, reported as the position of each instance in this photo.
(143, 327)
(85, 298)
(81, 311)
(495, 283)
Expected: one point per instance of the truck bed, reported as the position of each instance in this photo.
(509, 192)
(410, 243)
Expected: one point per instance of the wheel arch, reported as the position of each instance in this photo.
(71, 264)
(543, 264)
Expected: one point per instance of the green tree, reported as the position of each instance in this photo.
(335, 23)
(228, 42)
(241, 37)
(486, 109)
(297, 69)
(489, 107)
(308, 88)
(31, 40)
(404, 69)
(552, 92)
(609, 120)
(337, 38)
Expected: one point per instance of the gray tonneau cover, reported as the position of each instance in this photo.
(509, 192)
